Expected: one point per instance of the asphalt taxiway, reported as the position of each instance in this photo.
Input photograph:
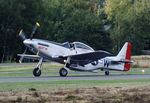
(83, 77)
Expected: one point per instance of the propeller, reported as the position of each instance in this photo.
(22, 34)
(34, 30)
(23, 37)
(22, 57)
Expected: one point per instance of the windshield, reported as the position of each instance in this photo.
(82, 46)
(66, 44)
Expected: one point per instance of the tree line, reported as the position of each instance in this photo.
(102, 24)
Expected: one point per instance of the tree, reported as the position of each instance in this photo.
(14, 15)
(61, 20)
(129, 19)
(76, 20)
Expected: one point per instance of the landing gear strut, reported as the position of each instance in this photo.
(106, 72)
(37, 70)
(63, 72)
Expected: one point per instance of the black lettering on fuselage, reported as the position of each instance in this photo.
(106, 63)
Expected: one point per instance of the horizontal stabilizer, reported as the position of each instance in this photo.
(121, 61)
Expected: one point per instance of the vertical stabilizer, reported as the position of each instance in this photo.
(125, 55)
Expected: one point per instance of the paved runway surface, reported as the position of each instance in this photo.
(55, 78)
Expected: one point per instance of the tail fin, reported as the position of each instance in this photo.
(125, 54)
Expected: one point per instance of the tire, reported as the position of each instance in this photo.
(36, 72)
(63, 72)
(106, 72)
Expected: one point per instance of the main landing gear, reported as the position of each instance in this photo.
(63, 72)
(37, 70)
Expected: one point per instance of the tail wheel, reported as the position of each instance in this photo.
(63, 72)
(36, 72)
(106, 72)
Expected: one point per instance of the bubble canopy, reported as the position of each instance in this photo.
(82, 46)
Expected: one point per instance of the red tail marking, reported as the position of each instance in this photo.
(128, 57)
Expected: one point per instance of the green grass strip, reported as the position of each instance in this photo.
(72, 84)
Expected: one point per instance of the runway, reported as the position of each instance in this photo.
(84, 77)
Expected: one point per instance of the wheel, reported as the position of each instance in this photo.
(36, 72)
(63, 72)
(106, 72)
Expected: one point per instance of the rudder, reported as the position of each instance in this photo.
(128, 57)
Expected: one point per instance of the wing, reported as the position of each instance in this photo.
(29, 56)
(83, 59)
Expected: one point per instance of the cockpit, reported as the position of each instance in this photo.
(82, 46)
(77, 45)
(66, 44)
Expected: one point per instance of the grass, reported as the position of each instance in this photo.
(68, 91)
(49, 69)
(72, 84)
(25, 70)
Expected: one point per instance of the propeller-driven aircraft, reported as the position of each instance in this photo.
(75, 56)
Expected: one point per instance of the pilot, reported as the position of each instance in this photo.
(72, 46)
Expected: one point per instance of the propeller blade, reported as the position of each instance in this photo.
(34, 30)
(22, 57)
(22, 35)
